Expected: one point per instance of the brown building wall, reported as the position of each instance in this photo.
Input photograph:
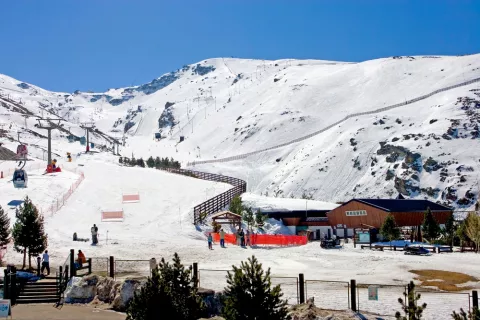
(291, 221)
(373, 218)
(416, 218)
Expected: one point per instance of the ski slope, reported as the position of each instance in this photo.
(225, 107)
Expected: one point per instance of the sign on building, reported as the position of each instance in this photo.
(373, 293)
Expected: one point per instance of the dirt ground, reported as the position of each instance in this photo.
(66, 312)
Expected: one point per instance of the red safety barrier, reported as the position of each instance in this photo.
(265, 239)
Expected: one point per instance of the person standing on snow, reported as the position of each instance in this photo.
(222, 238)
(242, 238)
(247, 236)
(210, 241)
(94, 231)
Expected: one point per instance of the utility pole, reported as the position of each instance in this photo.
(49, 125)
(25, 116)
(88, 126)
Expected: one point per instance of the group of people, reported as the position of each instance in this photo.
(242, 238)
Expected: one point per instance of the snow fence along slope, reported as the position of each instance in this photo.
(380, 110)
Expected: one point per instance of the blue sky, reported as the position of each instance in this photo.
(66, 45)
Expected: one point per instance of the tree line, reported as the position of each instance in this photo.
(158, 163)
(28, 233)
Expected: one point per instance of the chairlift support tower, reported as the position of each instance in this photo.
(49, 124)
(87, 126)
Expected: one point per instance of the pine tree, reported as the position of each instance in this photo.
(260, 218)
(169, 291)
(472, 315)
(389, 229)
(158, 162)
(450, 230)
(430, 227)
(4, 228)
(28, 232)
(249, 294)
(150, 162)
(472, 228)
(410, 305)
(120, 160)
(141, 163)
(248, 217)
(236, 205)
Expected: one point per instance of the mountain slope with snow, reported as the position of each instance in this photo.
(227, 107)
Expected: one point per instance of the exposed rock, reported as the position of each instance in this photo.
(389, 175)
(432, 192)
(431, 165)
(104, 288)
(126, 293)
(81, 290)
(405, 186)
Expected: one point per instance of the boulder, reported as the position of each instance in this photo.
(126, 293)
(80, 291)
(104, 288)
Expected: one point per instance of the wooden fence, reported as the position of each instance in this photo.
(217, 203)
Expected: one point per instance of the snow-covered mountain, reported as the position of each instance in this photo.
(227, 107)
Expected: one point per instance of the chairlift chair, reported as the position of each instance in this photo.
(20, 178)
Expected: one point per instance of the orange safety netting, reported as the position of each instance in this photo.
(268, 239)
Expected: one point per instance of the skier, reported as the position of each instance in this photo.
(210, 241)
(94, 231)
(222, 238)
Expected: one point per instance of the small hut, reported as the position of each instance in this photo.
(227, 217)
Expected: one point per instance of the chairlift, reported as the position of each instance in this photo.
(20, 178)
(83, 141)
(71, 138)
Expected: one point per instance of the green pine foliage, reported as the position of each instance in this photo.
(410, 306)
(28, 232)
(389, 229)
(472, 315)
(260, 218)
(249, 217)
(158, 163)
(431, 228)
(150, 162)
(4, 228)
(236, 205)
(450, 230)
(249, 294)
(168, 293)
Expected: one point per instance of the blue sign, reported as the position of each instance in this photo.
(373, 293)
(5, 309)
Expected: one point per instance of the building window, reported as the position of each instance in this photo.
(356, 213)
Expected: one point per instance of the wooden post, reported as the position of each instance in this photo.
(72, 263)
(475, 299)
(301, 288)
(13, 288)
(38, 265)
(353, 295)
(60, 281)
(89, 265)
(111, 267)
(196, 281)
(6, 285)
(354, 237)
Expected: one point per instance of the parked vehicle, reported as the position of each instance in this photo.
(416, 250)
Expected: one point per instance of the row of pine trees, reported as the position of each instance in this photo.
(158, 163)
(28, 232)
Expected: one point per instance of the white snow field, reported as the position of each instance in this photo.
(228, 107)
